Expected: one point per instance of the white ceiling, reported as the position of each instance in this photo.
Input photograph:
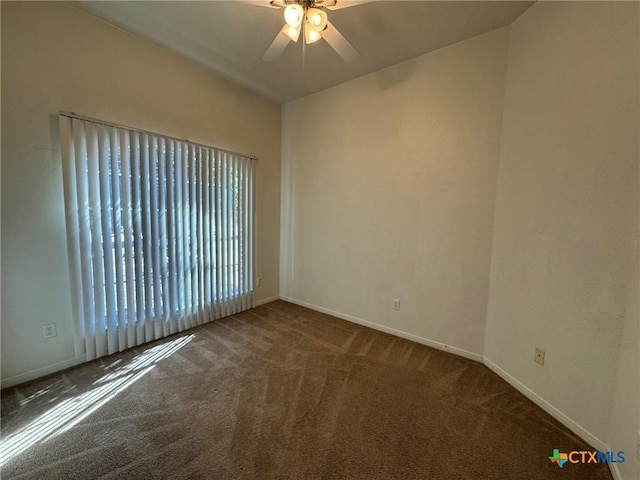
(230, 37)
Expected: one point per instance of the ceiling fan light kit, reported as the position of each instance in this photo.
(292, 32)
(310, 34)
(293, 15)
(317, 19)
(310, 16)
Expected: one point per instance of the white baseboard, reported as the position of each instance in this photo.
(41, 372)
(615, 471)
(267, 300)
(547, 407)
(564, 419)
(398, 333)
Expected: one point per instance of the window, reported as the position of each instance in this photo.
(160, 234)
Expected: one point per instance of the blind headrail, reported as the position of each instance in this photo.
(147, 132)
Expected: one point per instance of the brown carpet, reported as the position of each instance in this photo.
(282, 392)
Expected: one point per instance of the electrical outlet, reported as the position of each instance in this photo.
(396, 304)
(539, 357)
(49, 331)
(259, 281)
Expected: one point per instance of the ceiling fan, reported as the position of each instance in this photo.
(309, 18)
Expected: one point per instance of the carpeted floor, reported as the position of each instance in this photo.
(281, 392)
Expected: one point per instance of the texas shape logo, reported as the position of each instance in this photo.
(559, 458)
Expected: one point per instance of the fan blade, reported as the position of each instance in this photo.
(265, 3)
(338, 4)
(340, 44)
(277, 47)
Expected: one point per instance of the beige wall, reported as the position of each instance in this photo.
(388, 192)
(567, 216)
(56, 57)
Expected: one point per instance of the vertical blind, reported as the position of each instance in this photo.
(160, 234)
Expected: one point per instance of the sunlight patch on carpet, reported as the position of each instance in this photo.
(72, 411)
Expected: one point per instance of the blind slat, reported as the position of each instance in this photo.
(128, 233)
(97, 256)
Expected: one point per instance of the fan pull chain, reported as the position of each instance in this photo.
(304, 53)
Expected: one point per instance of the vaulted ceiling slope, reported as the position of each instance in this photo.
(230, 37)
